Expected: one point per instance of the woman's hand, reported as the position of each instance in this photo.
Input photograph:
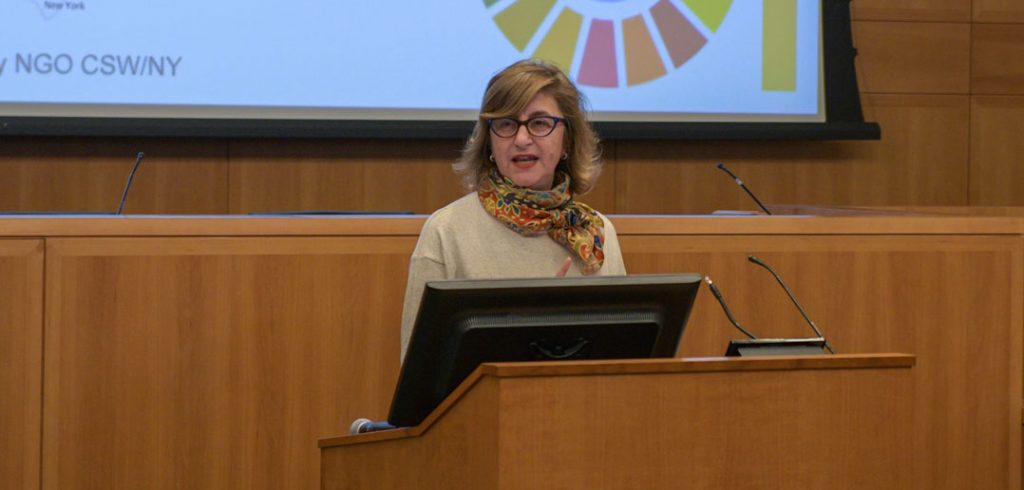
(564, 268)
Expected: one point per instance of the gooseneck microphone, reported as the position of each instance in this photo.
(793, 299)
(739, 182)
(362, 426)
(728, 314)
(128, 185)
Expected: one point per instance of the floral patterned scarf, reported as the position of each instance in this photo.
(529, 213)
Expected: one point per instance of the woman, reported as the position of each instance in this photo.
(531, 152)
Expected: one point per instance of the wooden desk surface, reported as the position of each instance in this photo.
(406, 225)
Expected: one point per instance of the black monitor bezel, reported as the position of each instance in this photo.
(426, 377)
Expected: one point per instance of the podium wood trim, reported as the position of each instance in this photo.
(826, 223)
(847, 415)
(630, 366)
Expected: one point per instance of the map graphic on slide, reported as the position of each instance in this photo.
(588, 33)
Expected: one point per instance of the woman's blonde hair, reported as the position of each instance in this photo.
(507, 94)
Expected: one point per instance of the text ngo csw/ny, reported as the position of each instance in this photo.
(94, 64)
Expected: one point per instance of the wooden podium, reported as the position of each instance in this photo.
(197, 352)
(791, 422)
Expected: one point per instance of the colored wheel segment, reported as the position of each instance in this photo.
(622, 51)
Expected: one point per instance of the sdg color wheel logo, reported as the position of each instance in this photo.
(647, 37)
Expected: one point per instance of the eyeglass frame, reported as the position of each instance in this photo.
(521, 123)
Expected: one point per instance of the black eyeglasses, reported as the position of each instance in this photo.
(539, 126)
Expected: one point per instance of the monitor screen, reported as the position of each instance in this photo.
(462, 324)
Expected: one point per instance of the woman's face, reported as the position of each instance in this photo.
(524, 158)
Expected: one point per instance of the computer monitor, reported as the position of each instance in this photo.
(464, 323)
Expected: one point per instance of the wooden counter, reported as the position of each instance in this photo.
(213, 352)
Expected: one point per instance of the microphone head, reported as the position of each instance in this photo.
(721, 166)
(358, 426)
(760, 262)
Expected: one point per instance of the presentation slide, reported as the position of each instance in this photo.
(636, 60)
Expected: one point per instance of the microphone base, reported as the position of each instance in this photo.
(363, 426)
(776, 347)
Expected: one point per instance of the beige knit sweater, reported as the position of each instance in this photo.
(463, 241)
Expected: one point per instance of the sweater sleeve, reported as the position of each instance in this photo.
(426, 264)
(421, 270)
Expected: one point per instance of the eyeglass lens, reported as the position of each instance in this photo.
(537, 126)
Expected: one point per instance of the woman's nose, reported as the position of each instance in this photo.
(523, 136)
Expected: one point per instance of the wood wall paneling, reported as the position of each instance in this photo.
(882, 294)
(213, 363)
(998, 11)
(21, 355)
(997, 150)
(922, 159)
(163, 354)
(912, 10)
(997, 59)
(913, 57)
(602, 197)
(89, 174)
(347, 175)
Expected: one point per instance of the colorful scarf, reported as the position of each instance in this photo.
(529, 213)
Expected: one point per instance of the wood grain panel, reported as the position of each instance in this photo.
(730, 443)
(998, 11)
(360, 175)
(416, 466)
(901, 57)
(997, 167)
(602, 197)
(883, 294)
(997, 59)
(88, 175)
(213, 363)
(598, 428)
(21, 368)
(921, 160)
(912, 10)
